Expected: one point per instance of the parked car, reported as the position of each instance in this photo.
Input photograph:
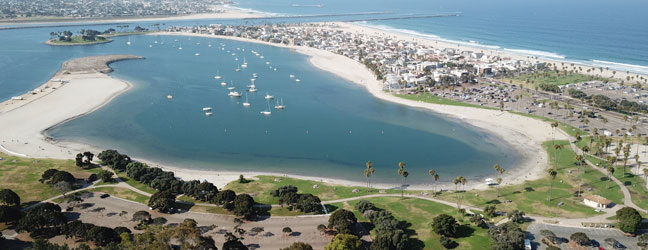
(614, 243)
(527, 244)
(104, 196)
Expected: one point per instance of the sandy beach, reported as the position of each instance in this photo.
(39, 112)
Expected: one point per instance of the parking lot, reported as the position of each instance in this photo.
(598, 234)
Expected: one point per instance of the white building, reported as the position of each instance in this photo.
(596, 201)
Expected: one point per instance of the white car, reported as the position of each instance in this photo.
(527, 244)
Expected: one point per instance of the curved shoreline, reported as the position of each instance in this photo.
(322, 59)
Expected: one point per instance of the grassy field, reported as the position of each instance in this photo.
(418, 215)
(78, 40)
(261, 189)
(430, 98)
(22, 174)
(123, 193)
(552, 77)
(531, 197)
(635, 184)
(136, 184)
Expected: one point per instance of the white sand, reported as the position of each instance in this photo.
(22, 122)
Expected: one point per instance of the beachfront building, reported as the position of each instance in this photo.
(596, 201)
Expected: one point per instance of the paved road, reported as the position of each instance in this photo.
(598, 234)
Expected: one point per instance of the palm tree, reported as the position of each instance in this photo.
(552, 174)
(610, 172)
(501, 171)
(645, 172)
(554, 125)
(556, 147)
(403, 174)
(369, 172)
(579, 160)
(435, 176)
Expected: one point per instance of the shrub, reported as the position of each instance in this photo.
(365, 205)
(447, 242)
(445, 225)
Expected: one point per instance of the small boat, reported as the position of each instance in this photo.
(252, 90)
(231, 88)
(209, 45)
(244, 65)
(238, 69)
(179, 48)
(267, 111)
(207, 109)
(297, 80)
(197, 54)
(197, 43)
(217, 75)
(268, 63)
(155, 42)
(292, 76)
(234, 94)
(233, 54)
(280, 106)
(275, 69)
(169, 97)
(246, 103)
(268, 96)
(208, 113)
(490, 181)
(129, 42)
(261, 57)
(254, 75)
(223, 84)
(150, 46)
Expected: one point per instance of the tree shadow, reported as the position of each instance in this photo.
(331, 208)
(464, 231)
(491, 202)
(529, 189)
(415, 244)
(263, 211)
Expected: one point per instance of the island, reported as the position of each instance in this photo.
(90, 37)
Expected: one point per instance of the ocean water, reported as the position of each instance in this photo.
(600, 33)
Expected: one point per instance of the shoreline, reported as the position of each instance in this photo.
(532, 159)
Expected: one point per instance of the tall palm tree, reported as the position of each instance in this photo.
(403, 174)
(552, 174)
(501, 171)
(369, 170)
(435, 177)
(554, 125)
(645, 172)
(610, 172)
(556, 148)
(579, 160)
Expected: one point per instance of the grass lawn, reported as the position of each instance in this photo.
(531, 197)
(22, 174)
(635, 184)
(208, 209)
(123, 193)
(431, 98)
(418, 215)
(261, 188)
(136, 184)
(552, 77)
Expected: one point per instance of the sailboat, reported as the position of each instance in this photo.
(223, 84)
(129, 42)
(246, 103)
(180, 48)
(268, 96)
(267, 111)
(244, 63)
(280, 106)
(237, 68)
(217, 75)
(297, 80)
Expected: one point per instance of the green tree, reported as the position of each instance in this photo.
(552, 175)
(9, 214)
(244, 206)
(446, 225)
(163, 201)
(368, 172)
(343, 221)
(629, 220)
(9, 197)
(345, 242)
(105, 175)
(580, 238)
(298, 246)
(501, 171)
(435, 177)
(516, 216)
(507, 236)
(403, 174)
(41, 216)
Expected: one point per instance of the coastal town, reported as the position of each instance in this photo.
(468, 75)
(16, 9)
